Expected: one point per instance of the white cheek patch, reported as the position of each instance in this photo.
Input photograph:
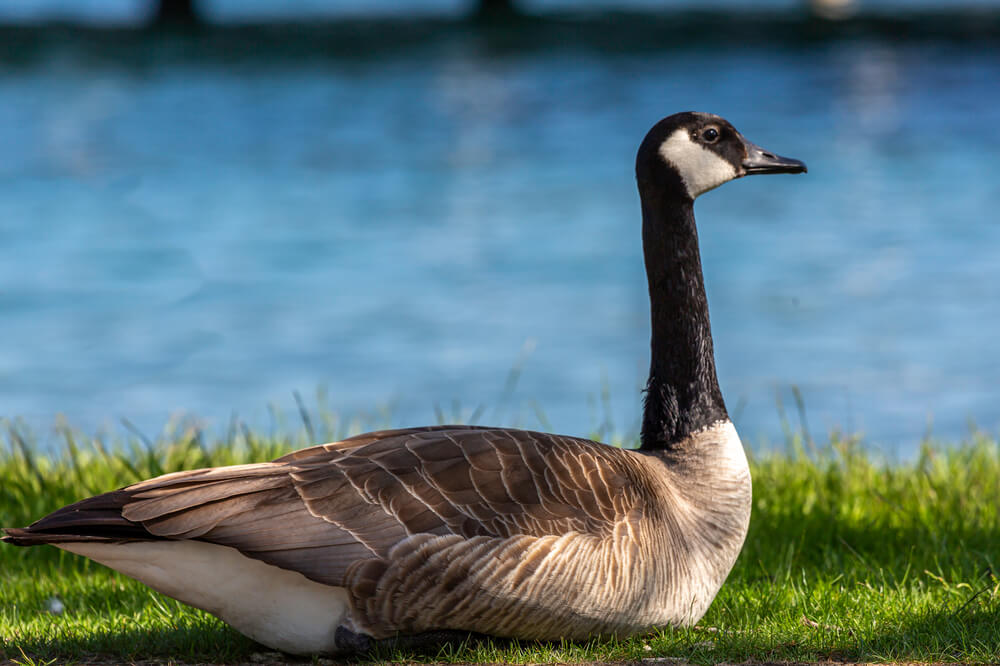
(700, 168)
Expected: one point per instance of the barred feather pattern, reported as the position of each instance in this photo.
(497, 531)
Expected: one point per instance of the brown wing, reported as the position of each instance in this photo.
(320, 510)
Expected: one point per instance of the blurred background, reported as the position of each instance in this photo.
(425, 210)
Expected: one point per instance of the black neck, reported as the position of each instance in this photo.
(682, 394)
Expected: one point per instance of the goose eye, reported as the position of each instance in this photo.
(710, 135)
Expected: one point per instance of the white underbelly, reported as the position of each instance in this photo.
(279, 608)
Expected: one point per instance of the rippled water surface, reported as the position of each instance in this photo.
(209, 236)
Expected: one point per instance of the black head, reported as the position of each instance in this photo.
(696, 152)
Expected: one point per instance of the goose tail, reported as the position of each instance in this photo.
(95, 519)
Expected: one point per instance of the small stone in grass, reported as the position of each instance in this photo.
(55, 605)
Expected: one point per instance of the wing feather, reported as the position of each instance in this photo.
(335, 512)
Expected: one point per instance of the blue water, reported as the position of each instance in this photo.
(208, 237)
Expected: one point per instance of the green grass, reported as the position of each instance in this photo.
(848, 558)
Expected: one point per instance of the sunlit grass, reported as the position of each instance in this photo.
(848, 558)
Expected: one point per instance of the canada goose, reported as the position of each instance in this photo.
(459, 528)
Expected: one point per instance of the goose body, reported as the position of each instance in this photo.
(474, 529)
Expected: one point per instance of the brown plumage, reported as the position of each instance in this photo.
(499, 531)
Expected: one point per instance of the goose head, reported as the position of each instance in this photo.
(691, 153)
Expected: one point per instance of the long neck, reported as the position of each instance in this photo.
(682, 394)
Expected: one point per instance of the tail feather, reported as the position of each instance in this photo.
(94, 519)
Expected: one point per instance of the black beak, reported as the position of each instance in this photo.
(759, 160)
